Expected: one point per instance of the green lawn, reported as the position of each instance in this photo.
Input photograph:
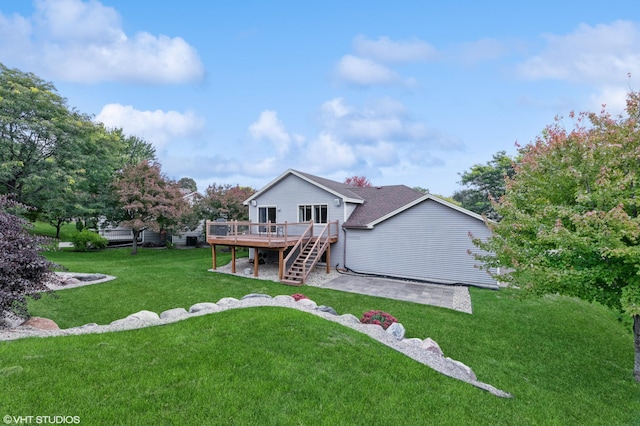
(42, 228)
(565, 361)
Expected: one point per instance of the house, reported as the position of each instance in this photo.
(123, 235)
(391, 231)
(195, 236)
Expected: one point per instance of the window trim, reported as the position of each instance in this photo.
(319, 207)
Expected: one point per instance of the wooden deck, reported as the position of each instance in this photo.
(271, 236)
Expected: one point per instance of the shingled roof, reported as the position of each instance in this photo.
(379, 202)
(347, 191)
(374, 203)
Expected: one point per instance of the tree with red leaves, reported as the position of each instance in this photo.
(146, 199)
(570, 214)
(361, 181)
(23, 271)
(225, 201)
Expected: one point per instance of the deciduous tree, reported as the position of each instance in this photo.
(357, 181)
(147, 199)
(570, 221)
(188, 184)
(225, 201)
(35, 124)
(53, 157)
(485, 182)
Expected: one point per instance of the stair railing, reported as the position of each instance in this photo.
(307, 234)
(316, 249)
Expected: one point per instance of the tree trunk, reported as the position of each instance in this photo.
(58, 226)
(134, 246)
(636, 343)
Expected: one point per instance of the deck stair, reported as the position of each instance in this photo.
(310, 253)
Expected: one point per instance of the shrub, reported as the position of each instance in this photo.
(380, 318)
(298, 296)
(23, 271)
(88, 240)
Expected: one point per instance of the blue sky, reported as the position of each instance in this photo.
(403, 92)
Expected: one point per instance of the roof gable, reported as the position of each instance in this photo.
(375, 203)
(380, 201)
(340, 190)
(360, 220)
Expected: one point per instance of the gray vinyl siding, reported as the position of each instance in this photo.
(181, 239)
(429, 241)
(292, 192)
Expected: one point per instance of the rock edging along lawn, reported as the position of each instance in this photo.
(425, 351)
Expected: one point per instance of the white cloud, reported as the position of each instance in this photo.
(269, 127)
(78, 41)
(386, 50)
(328, 153)
(613, 98)
(379, 155)
(382, 120)
(335, 108)
(157, 127)
(597, 55)
(77, 21)
(368, 139)
(365, 72)
(14, 36)
(367, 67)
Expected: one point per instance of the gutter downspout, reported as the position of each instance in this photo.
(344, 247)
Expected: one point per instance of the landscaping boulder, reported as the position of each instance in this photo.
(89, 277)
(67, 280)
(397, 330)
(327, 309)
(144, 316)
(350, 318)
(203, 306)
(430, 345)
(40, 323)
(307, 303)
(256, 295)
(227, 301)
(460, 370)
(173, 313)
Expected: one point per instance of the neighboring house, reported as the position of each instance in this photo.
(391, 231)
(195, 236)
(124, 235)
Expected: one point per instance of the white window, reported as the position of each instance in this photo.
(266, 214)
(316, 213)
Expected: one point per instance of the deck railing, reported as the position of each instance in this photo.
(119, 234)
(236, 231)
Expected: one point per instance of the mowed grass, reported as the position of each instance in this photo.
(565, 361)
(66, 230)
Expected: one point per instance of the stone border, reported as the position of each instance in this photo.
(425, 351)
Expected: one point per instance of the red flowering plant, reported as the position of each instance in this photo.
(380, 318)
(298, 296)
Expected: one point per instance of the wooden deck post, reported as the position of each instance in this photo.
(255, 261)
(328, 258)
(233, 259)
(213, 255)
(280, 265)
